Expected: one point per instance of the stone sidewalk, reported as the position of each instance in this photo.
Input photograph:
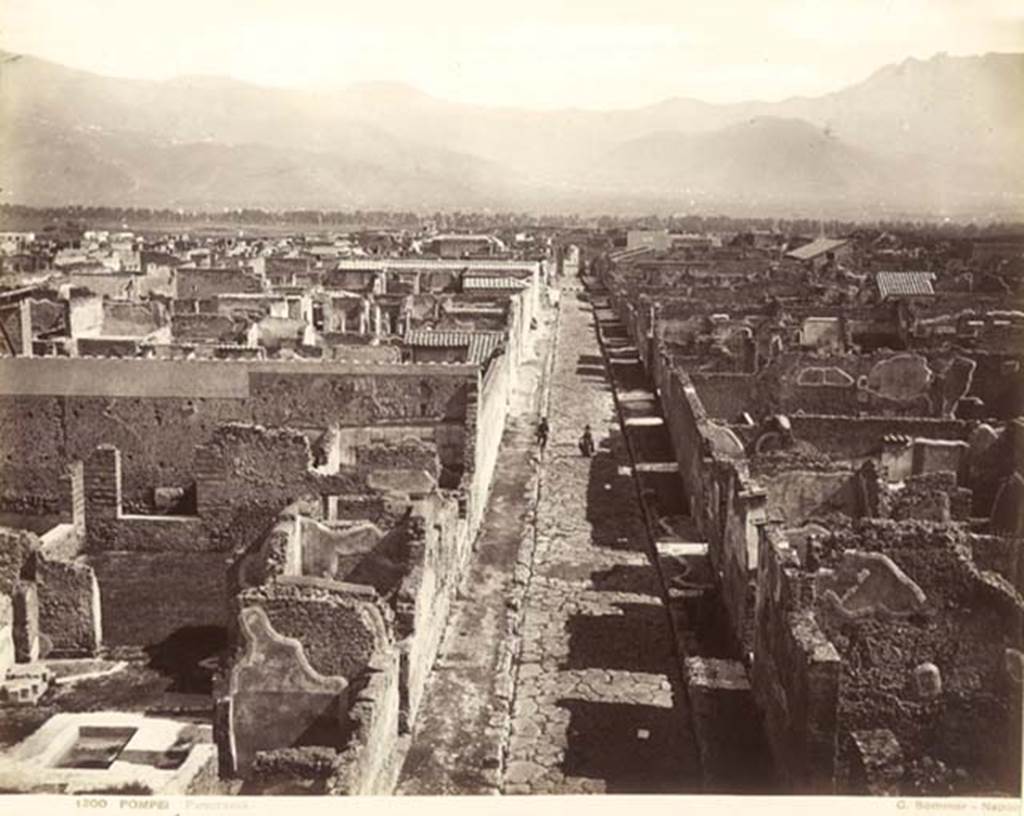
(594, 709)
(463, 719)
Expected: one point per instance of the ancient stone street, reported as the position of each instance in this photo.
(594, 708)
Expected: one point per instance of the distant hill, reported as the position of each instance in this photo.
(941, 135)
(785, 158)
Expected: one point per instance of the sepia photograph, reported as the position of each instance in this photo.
(567, 399)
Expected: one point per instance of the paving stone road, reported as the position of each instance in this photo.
(593, 705)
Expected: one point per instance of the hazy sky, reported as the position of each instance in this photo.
(531, 53)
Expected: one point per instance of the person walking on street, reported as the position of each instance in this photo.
(587, 442)
(542, 432)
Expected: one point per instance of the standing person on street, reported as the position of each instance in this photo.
(542, 432)
(587, 442)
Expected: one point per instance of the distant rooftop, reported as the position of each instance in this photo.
(817, 247)
(478, 282)
(459, 236)
(905, 284)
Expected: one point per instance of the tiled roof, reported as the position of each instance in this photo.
(483, 345)
(815, 248)
(479, 345)
(905, 284)
(478, 282)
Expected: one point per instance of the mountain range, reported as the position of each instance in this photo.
(936, 136)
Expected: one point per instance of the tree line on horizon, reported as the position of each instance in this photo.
(18, 216)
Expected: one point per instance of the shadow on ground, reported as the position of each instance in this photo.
(633, 748)
(612, 510)
(636, 640)
(639, 579)
(183, 657)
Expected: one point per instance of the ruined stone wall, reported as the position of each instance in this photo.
(368, 765)
(448, 440)
(340, 626)
(147, 596)
(491, 411)
(684, 416)
(734, 553)
(1002, 555)
(107, 346)
(798, 495)
(929, 497)
(17, 548)
(157, 412)
(999, 382)
(132, 318)
(725, 396)
(161, 573)
(439, 560)
(7, 632)
(336, 348)
(348, 630)
(854, 439)
(199, 284)
(276, 699)
(795, 675)
(883, 383)
(69, 607)
(962, 625)
(64, 587)
(219, 328)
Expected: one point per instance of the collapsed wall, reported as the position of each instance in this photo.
(885, 654)
(362, 608)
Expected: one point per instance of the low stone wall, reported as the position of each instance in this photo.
(856, 438)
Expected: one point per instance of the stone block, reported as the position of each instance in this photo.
(877, 765)
(927, 681)
(166, 498)
(26, 622)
